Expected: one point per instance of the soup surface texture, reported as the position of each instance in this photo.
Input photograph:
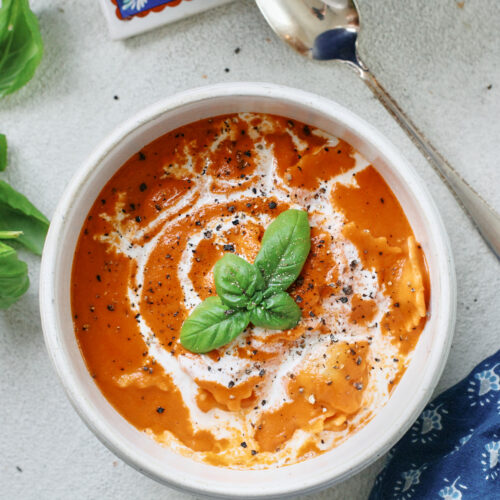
(144, 260)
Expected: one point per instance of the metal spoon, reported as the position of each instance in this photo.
(328, 30)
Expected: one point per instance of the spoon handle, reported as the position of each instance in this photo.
(485, 218)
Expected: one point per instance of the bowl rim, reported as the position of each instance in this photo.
(48, 285)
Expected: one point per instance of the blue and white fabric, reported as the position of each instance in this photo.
(452, 451)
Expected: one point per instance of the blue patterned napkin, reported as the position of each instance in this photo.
(453, 449)
(132, 7)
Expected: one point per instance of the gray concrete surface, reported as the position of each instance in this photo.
(439, 59)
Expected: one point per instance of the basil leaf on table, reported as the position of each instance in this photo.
(278, 312)
(3, 152)
(21, 46)
(14, 279)
(238, 283)
(212, 325)
(19, 214)
(285, 246)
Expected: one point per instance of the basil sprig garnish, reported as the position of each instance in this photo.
(253, 292)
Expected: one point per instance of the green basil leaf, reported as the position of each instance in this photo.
(18, 214)
(3, 152)
(21, 46)
(285, 246)
(211, 325)
(278, 312)
(238, 283)
(14, 279)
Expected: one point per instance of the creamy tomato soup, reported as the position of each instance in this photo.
(144, 261)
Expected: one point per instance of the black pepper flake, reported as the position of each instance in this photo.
(207, 234)
(343, 300)
(231, 208)
(237, 50)
(111, 307)
(228, 248)
(142, 156)
(347, 290)
(298, 299)
(272, 205)
(235, 222)
(138, 219)
(306, 130)
(115, 97)
(143, 186)
(263, 402)
(262, 373)
(396, 304)
(160, 410)
(358, 386)
(254, 452)
(231, 384)
(227, 70)
(243, 444)
(98, 278)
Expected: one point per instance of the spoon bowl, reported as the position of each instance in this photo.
(316, 29)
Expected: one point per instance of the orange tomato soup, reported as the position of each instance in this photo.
(144, 260)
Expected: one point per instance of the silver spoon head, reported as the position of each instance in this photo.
(323, 30)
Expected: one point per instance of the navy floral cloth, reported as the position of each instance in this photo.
(131, 7)
(452, 452)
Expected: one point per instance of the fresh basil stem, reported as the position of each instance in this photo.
(212, 325)
(285, 247)
(278, 312)
(10, 235)
(238, 283)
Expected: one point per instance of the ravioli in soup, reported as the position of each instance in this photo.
(144, 261)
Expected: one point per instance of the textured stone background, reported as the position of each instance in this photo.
(437, 58)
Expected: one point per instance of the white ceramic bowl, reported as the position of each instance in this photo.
(135, 447)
